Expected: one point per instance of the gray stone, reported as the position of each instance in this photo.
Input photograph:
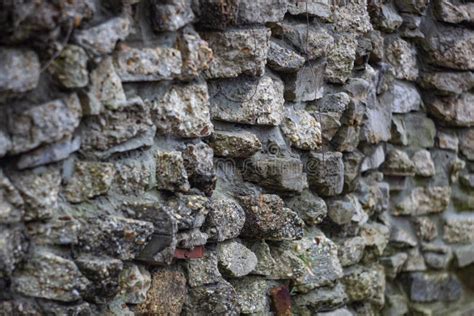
(237, 51)
(114, 236)
(386, 18)
(401, 238)
(326, 173)
(412, 6)
(282, 58)
(342, 210)
(218, 298)
(203, 271)
(321, 8)
(466, 143)
(189, 239)
(171, 172)
(447, 140)
(70, 68)
(267, 218)
(11, 205)
(365, 284)
(39, 190)
(436, 256)
(420, 130)
(306, 84)
(454, 110)
(430, 287)
(184, 111)
(195, 53)
(323, 298)
(329, 112)
(414, 262)
(426, 228)
(249, 101)
(43, 124)
(252, 295)
(424, 165)
(459, 230)
(447, 83)
(337, 312)
(189, 210)
(310, 207)
(20, 70)
(402, 56)
(135, 175)
(198, 161)
(397, 163)
(411, 27)
(376, 237)
(424, 200)
(5, 143)
(277, 173)
(135, 281)
(171, 15)
(394, 264)
(90, 179)
(101, 39)
(403, 98)
(225, 219)
(49, 276)
(454, 11)
(234, 144)
(374, 160)
(340, 60)
(147, 64)
(14, 247)
(352, 165)
(351, 251)
(352, 17)
(62, 231)
(467, 180)
(464, 255)
(235, 260)
(302, 129)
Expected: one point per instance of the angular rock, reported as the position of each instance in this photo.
(426, 228)
(340, 60)
(401, 238)
(14, 247)
(135, 281)
(467, 180)
(189, 210)
(302, 129)
(386, 18)
(365, 284)
(62, 231)
(90, 179)
(39, 190)
(234, 144)
(424, 200)
(321, 8)
(466, 143)
(235, 260)
(237, 51)
(397, 163)
(252, 294)
(412, 6)
(376, 237)
(70, 68)
(326, 173)
(411, 27)
(167, 293)
(402, 56)
(225, 219)
(373, 160)
(329, 112)
(203, 271)
(20, 70)
(219, 297)
(414, 262)
(277, 173)
(436, 256)
(171, 15)
(352, 165)
(114, 236)
(184, 111)
(323, 298)
(454, 110)
(248, 101)
(310, 207)
(282, 58)
(454, 11)
(403, 98)
(448, 83)
(49, 276)
(352, 17)
(342, 210)
(135, 175)
(198, 161)
(195, 53)
(420, 130)
(459, 230)
(267, 218)
(464, 255)
(11, 205)
(101, 39)
(190, 239)
(306, 84)
(394, 264)
(171, 172)
(447, 140)
(351, 251)
(424, 165)
(43, 124)
(147, 64)
(430, 287)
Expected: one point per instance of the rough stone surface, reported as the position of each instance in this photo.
(424, 287)
(424, 201)
(402, 56)
(424, 165)
(234, 144)
(326, 173)
(225, 220)
(403, 98)
(282, 58)
(302, 129)
(235, 260)
(70, 69)
(310, 207)
(454, 110)
(20, 70)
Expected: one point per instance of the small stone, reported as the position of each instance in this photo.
(376, 237)
(234, 144)
(5, 142)
(43, 124)
(365, 284)
(214, 298)
(454, 110)
(426, 228)
(467, 180)
(225, 219)
(401, 238)
(101, 39)
(276, 173)
(374, 160)
(397, 163)
(190, 239)
(326, 173)
(235, 260)
(267, 218)
(70, 68)
(414, 262)
(236, 52)
(114, 236)
(403, 98)
(147, 64)
(394, 264)
(171, 15)
(329, 112)
(430, 287)
(310, 207)
(306, 84)
(283, 59)
(459, 230)
(412, 6)
(464, 255)
(39, 190)
(420, 130)
(424, 200)
(135, 281)
(352, 165)
(252, 294)
(135, 175)
(323, 298)
(14, 247)
(11, 205)
(448, 83)
(398, 131)
(203, 271)
(466, 143)
(386, 18)
(341, 210)
(302, 129)
(352, 17)
(447, 140)
(46, 275)
(436, 256)
(167, 293)
(424, 165)
(56, 231)
(340, 59)
(171, 172)
(248, 101)
(195, 52)
(198, 161)
(462, 199)
(402, 56)
(189, 210)
(319, 8)
(351, 251)
(20, 70)
(411, 27)
(90, 179)
(453, 11)
(184, 111)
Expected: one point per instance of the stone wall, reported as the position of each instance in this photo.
(225, 157)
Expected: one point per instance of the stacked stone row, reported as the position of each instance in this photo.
(168, 157)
